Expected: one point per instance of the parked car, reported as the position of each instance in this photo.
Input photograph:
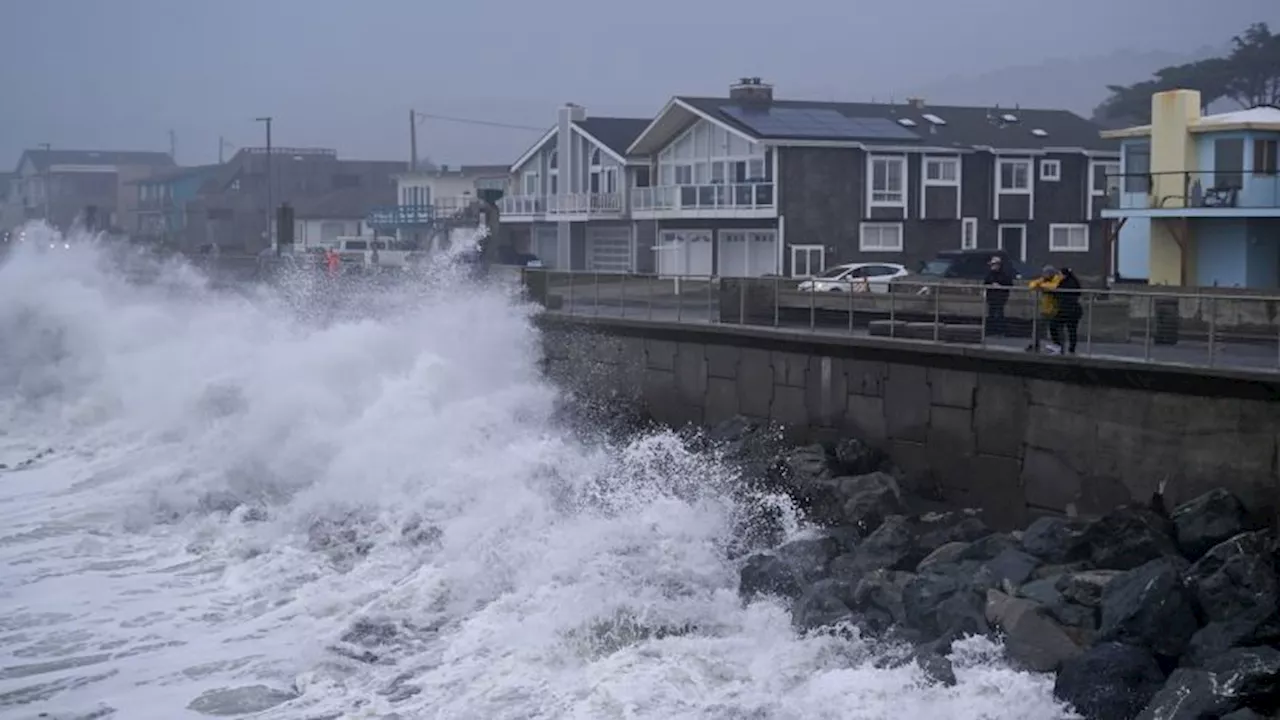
(969, 265)
(855, 277)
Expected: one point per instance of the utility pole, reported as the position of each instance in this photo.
(271, 236)
(413, 141)
(173, 147)
(222, 145)
(48, 168)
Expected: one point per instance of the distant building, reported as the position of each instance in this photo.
(160, 214)
(427, 199)
(91, 186)
(1197, 198)
(322, 219)
(749, 185)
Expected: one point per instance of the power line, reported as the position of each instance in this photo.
(473, 121)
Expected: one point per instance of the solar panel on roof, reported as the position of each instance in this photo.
(816, 123)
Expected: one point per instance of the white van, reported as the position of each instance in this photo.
(359, 250)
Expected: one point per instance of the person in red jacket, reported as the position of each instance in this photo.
(332, 262)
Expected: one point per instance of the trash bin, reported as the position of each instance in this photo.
(1165, 321)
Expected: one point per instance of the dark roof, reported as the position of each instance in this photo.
(178, 173)
(615, 133)
(42, 159)
(965, 128)
(344, 204)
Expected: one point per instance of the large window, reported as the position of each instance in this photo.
(1266, 156)
(1069, 238)
(1014, 176)
(942, 171)
(1137, 167)
(531, 183)
(708, 154)
(880, 237)
(888, 181)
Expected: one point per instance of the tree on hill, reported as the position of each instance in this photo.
(1249, 75)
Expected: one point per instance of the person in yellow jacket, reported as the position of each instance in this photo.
(1044, 286)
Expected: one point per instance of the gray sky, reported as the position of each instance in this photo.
(119, 74)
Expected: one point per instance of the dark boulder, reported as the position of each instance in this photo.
(938, 605)
(949, 554)
(1148, 606)
(1128, 537)
(1253, 629)
(1236, 577)
(855, 457)
(1243, 714)
(1239, 679)
(891, 546)
(1080, 622)
(866, 500)
(1056, 540)
(824, 603)
(1010, 568)
(937, 668)
(1086, 587)
(881, 591)
(810, 557)
(933, 530)
(768, 574)
(1208, 520)
(1109, 681)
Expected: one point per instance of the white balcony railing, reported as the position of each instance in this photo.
(742, 196)
(585, 204)
(522, 205)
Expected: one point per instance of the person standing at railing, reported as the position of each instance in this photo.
(1067, 319)
(998, 281)
(1043, 287)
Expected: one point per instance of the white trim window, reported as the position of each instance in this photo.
(942, 171)
(888, 181)
(880, 237)
(530, 185)
(969, 233)
(1069, 237)
(808, 260)
(1013, 176)
(1050, 170)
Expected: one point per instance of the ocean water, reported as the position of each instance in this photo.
(249, 504)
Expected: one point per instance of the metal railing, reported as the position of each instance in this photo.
(585, 204)
(1200, 190)
(522, 205)
(742, 196)
(1237, 331)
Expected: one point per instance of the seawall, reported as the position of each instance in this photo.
(1015, 435)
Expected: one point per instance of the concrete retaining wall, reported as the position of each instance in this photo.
(1012, 434)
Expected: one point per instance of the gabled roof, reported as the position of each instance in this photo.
(613, 134)
(537, 146)
(42, 159)
(962, 128)
(175, 174)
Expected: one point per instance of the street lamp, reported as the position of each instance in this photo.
(48, 167)
(271, 236)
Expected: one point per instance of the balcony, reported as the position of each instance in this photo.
(522, 207)
(402, 215)
(586, 204)
(714, 200)
(1193, 194)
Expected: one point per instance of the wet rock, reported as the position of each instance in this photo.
(1240, 679)
(1128, 537)
(1031, 637)
(824, 603)
(1148, 606)
(1210, 519)
(806, 468)
(1080, 622)
(937, 668)
(1010, 568)
(1243, 714)
(949, 554)
(1251, 675)
(939, 605)
(991, 547)
(1253, 629)
(1236, 577)
(768, 574)
(891, 546)
(1086, 588)
(866, 500)
(855, 457)
(881, 590)
(240, 701)
(1109, 681)
(933, 530)
(1056, 540)
(810, 557)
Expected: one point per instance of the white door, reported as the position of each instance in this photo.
(609, 249)
(684, 252)
(1013, 240)
(734, 253)
(762, 253)
(808, 260)
(546, 245)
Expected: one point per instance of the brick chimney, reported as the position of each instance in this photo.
(751, 91)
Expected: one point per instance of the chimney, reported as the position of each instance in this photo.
(573, 112)
(916, 102)
(751, 91)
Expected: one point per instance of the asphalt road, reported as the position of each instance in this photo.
(700, 311)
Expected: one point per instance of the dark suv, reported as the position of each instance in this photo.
(969, 265)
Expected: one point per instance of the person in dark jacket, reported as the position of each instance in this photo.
(1069, 312)
(998, 281)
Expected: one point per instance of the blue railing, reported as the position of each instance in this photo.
(402, 215)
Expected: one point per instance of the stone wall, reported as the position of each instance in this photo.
(1016, 435)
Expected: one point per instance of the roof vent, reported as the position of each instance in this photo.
(1009, 118)
(751, 90)
(934, 119)
(906, 122)
(1039, 133)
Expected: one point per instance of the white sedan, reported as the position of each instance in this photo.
(855, 277)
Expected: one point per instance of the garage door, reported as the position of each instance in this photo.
(748, 253)
(546, 244)
(684, 252)
(609, 249)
